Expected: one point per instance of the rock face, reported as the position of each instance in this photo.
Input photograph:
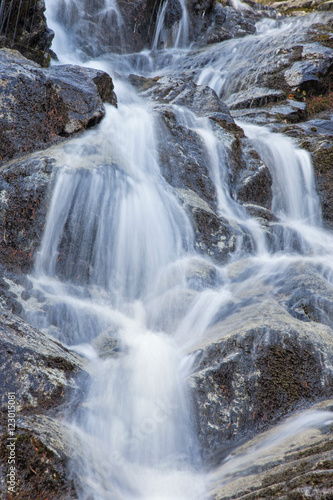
(43, 376)
(262, 362)
(39, 107)
(281, 465)
(23, 27)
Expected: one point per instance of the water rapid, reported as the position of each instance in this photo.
(119, 267)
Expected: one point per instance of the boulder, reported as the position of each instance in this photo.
(292, 460)
(38, 107)
(260, 359)
(254, 97)
(43, 376)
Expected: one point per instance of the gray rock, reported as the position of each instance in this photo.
(255, 96)
(315, 64)
(289, 111)
(40, 106)
(281, 463)
(261, 358)
(43, 375)
(214, 235)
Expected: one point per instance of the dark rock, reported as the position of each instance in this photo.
(313, 70)
(182, 158)
(214, 235)
(24, 188)
(256, 368)
(214, 23)
(43, 376)
(259, 212)
(43, 453)
(254, 97)
(34, 366)
(181, 91)
(23, 27)
(289, 111)
(38, 107)
(278, 465)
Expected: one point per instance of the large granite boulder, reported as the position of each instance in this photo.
(38, 107)
(261, 359)
(292, 460)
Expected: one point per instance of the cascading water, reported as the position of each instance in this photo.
(118, 249)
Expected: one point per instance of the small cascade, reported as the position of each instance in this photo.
(245, 459)
(295, 200)
(232, 66)
(160, 36)
(217, 159)
(84, 30)
(180, 34)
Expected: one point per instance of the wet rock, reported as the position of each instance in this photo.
(43, 453)
(40, 106)
(289, 111)
(259, 212)
(43, 375)
(217, 23)
(106, 344)
(24, 193)
(253, 181)
(325, 6)
(23, 27)
(280, 465)
(257, 366)
(214, 235)
(182, 158)
(181, 91)
(34, 366)
(308, 295)
(255, 96)
(299, 6)
(312, 70)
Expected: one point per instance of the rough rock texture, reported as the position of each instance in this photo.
(25, 190)
(39, 107)
(281, 465)
(23, 27)
(259, 363)
(43, 376)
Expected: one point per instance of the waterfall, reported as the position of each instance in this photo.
(118, 255)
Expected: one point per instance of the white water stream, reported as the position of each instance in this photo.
(116, 255)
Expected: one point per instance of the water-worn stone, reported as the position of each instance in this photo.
(289, 111)
(214, 235)
(25, 190)
(255, 96)
(256, 373)
(261, 359)
(43, 376)
(40, 106)
(292, 460)
(23, 27)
